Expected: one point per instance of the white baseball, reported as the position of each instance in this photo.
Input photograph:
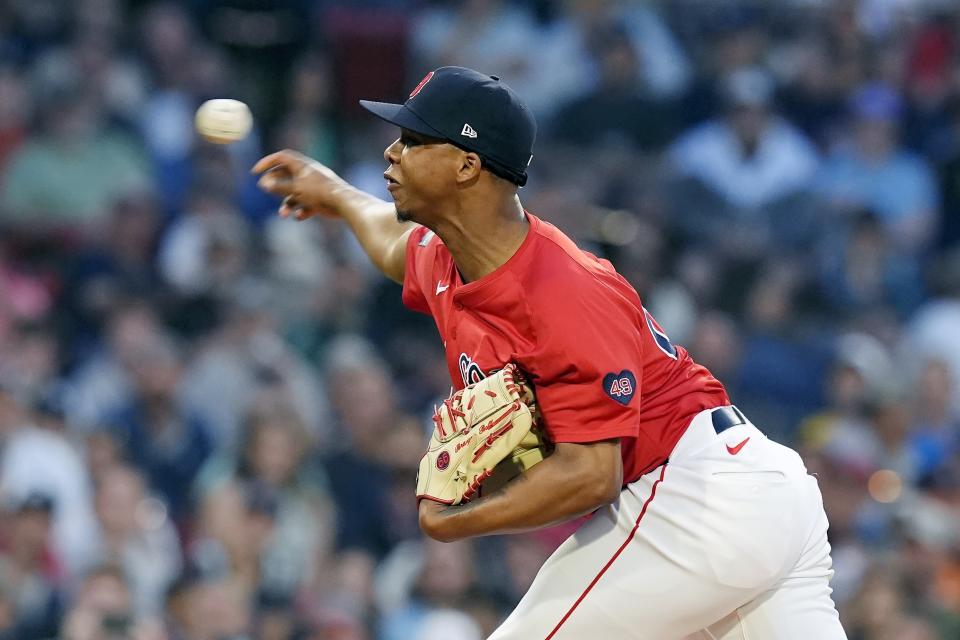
(223, 120)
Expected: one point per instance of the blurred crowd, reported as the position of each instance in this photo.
(211, 418)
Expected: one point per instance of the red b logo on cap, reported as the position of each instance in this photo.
(425, 80)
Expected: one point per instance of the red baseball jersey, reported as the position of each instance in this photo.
(601, 365)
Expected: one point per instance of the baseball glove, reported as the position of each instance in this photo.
(477, 428)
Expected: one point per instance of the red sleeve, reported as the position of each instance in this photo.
(588, 365)
(417, 264)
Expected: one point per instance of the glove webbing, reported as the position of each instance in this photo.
(454, 412)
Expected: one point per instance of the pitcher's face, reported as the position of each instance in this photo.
(422, 173)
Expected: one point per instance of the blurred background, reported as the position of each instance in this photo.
(211, 419)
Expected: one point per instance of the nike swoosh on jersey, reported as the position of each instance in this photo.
(735, 450)
(442, 287)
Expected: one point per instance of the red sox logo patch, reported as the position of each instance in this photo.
(425, 80)
(470, 371)
(620, 386)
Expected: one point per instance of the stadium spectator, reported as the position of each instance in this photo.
(309, 124)
(500, 36)
(169, 53)
(27, 297)
(616, 112)
(935, 432)
(117, 81)
(118, 263)
(864, 271)
(717, 345)
(93, 162)
(439, 586)
(872, 170)
(861, 367)
(273, 453)
(664, 62)
(205, 251)
(234, 533)
(930, 332)
(734, 36)
(30, 365)
(745, 176)
(776, 347)
(813, 96)
(41, 460)
(161, 436)
(31, 568)
(136, 535)
(360, 473)
(244, 355)
(102, 609)
(101, 377)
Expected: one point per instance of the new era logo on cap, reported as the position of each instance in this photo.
(468, 131)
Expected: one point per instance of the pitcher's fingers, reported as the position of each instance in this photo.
(286, 158)
(288, 206)
(267, 162)
(302, 214)
(277, 181)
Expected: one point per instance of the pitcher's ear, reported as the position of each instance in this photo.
(470, 167)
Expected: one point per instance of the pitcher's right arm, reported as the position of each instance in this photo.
(309, 188)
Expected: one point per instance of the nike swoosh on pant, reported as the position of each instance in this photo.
(735, 450)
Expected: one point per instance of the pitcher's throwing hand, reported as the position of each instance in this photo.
(306, 186)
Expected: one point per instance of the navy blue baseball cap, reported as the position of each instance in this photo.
(473, 111)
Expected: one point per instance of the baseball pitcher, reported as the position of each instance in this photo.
(700, 526)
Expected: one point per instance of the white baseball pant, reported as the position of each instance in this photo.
(726, 541)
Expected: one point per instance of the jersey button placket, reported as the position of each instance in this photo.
(458, 306)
